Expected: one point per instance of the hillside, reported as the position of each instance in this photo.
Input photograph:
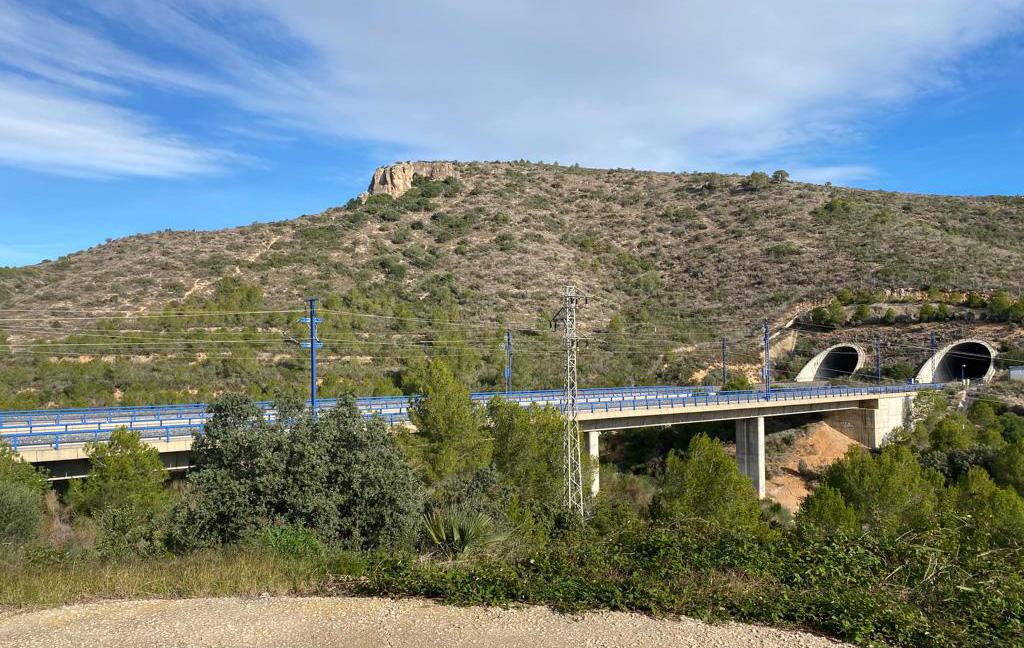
(670, 262)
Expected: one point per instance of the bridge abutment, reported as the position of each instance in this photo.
(872, 426)
(750, 451)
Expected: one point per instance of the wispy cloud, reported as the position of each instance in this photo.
(41, 128)
(60, 108)
(658, 84)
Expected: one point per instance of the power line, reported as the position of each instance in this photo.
(161, 316)
(463, 324)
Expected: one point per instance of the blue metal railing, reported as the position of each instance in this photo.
(136, 414)
(749, 396)
(54, 427)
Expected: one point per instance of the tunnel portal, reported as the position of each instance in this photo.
(967, 359)
(838, 361)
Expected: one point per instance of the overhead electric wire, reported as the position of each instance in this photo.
(124, 311)
(134, 317)
(180, 353)
(491, 326)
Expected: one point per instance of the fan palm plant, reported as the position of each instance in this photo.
(455, 532)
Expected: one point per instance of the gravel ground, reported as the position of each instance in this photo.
(357, 622)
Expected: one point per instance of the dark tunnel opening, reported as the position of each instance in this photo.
(970, 360)
(840, 362)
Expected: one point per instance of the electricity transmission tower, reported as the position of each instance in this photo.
(572, 468)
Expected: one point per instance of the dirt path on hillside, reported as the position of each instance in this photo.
(365, 622)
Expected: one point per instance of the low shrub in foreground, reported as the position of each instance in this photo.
(45, 578)
(21, 514)
(922, 590)
(928, 589)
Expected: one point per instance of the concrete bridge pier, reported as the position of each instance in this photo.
(750, 451)
(593, 451)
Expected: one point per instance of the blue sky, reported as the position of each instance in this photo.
(128, 116)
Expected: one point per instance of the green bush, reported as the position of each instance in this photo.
(1008, 466)
(704, 484)
(289, 541)
(890, 494)
(999, 305)
(737, 381)
(845, 296)
(998, 512)
(392, 267)
(927, 313)
(449, 435)
(341, 476)
(861, 314)
(917, 590)
(756, 181)
(1012, 427)
(124, 472)
(825, 510)
(834, 208)
(13, 469)
(833, 315)
(836, 313)
(528, 450)
(130, 531)
(21, 513)
(820, 316)
(899, 371)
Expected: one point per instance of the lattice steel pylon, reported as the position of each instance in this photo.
(572, 467)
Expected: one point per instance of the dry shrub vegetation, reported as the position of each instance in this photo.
(670, 261)
(513, 233)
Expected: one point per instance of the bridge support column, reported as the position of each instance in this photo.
(593, 451)
(750, 451)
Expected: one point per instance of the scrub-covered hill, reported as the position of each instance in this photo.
(441, 258)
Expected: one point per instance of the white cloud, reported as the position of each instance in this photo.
(653, 84)
(656, 84)
(42, 129)
(58, 110)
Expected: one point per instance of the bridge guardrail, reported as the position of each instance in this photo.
(54, 434)
(752, 396)
(30, 419)
(136, 414)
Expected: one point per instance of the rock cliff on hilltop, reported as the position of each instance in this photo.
(396, 179)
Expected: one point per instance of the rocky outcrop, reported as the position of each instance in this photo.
(396, 179)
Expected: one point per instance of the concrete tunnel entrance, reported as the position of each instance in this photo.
(969, 359)
(837, 361)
